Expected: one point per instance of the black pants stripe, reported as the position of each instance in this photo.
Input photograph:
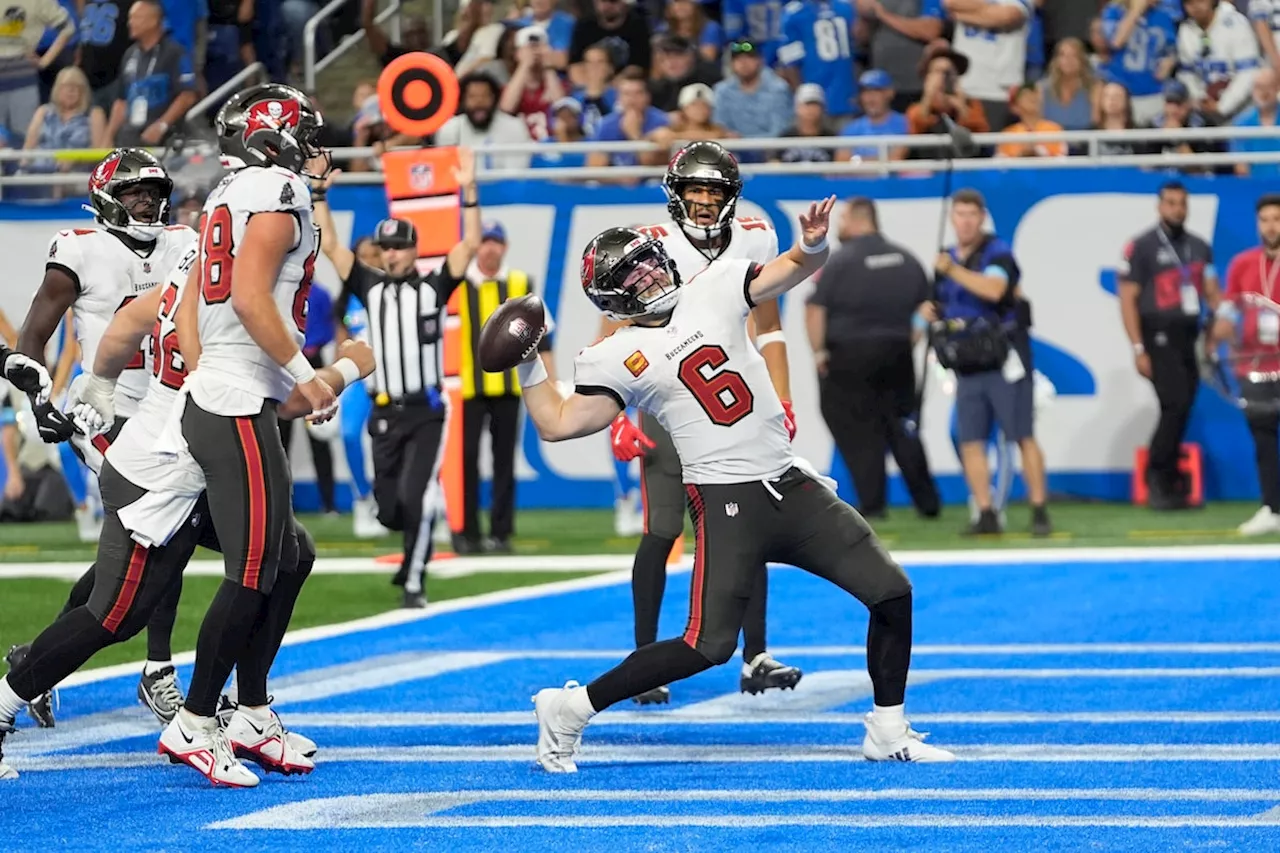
(407, 449)
(1264, 427)
(502, 417)
(248, 487)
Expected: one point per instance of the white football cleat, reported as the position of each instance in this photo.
(227, 709)
(6, 772)
(88, 525)
(205, 747)
(1263, 523)
(897, 741)
(558, 735)
(364, 519)
(267, 744)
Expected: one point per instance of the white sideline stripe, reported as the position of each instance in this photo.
(679, 717)
(420, 809)
(458, 566)
(770, 821)
(1033, 753)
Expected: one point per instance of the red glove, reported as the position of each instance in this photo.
(627, 440)
(789, 420)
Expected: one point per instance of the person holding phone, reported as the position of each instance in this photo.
(941, 69)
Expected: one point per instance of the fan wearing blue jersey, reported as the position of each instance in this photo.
(818, 48)
(1143, 54)
(756, 21)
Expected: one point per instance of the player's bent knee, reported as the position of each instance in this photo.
(895, 609)
(718, 651)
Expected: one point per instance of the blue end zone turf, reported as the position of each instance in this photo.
(1093, 706)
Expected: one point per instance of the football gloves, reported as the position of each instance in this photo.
(627, 440)
(28, 376)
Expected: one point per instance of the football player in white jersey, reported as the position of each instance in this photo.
(703, 186)
(258, 247)
(155, 516)
(94, 272)
(684, 356)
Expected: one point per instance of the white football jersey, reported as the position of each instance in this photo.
(133, 452)
(702, 378)
(110, 275)
(235, 376)
(997, 58)
(750, 238)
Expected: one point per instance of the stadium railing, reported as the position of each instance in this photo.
(311, 65)
(1088, 140)
(256, 70)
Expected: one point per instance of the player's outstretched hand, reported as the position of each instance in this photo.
(360, 353)
(465, 172)
(324, 403)
(28, 376)
(814, 223)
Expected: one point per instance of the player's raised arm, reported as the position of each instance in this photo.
(558, 417)
(800, 261)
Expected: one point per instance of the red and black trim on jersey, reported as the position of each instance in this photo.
(753, 273)
(600, 391)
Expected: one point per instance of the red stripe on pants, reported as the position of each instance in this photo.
(694, 628)
(102, 443)
(644, 498)
(256, 535)
(128, 589)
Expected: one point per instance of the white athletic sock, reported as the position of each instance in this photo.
(888, 716)
(10, 703)
(153, 666)
(191, 721)
(578, 705)
(258, 715)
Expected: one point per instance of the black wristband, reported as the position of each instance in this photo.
(471, 204)
(318, 195)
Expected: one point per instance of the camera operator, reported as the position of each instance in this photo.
(980, 330)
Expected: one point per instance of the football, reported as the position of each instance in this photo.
(512, 334)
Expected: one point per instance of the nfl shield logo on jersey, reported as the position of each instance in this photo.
(421, 176)
(731, 509)
(146, 266)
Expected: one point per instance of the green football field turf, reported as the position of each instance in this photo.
(27, 605)
(547, 532)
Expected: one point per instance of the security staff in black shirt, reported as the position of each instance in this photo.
(860, 323)
(1167, 280)
(406, 329)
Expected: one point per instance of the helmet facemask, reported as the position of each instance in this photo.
(686, 212)
(643, 285)
(138, 208)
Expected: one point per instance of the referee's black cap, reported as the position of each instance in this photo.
(396, 234)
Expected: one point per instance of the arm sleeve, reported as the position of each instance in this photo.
(65, 255)
(444, 283)
(792, 50)
(357, 284)
(591, 378)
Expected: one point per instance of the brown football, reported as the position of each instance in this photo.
(512, 334)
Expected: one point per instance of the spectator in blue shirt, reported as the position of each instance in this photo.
(877, 119)
(596, 95)
(1143, 53)
(634, 119)
(685, 18)
(64, 58)
(187, 22)
(756, 21)
(817, 48)
(566, 126)
(558, 26)
(1261, 114)
(753, 102)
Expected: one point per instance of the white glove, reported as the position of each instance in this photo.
(88, 420)
(326, 430)
(96, 393)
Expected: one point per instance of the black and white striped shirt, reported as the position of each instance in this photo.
(406, 328)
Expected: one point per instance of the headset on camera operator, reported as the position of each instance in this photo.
(980, 329)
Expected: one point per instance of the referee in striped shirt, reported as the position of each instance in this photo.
(406, 329)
